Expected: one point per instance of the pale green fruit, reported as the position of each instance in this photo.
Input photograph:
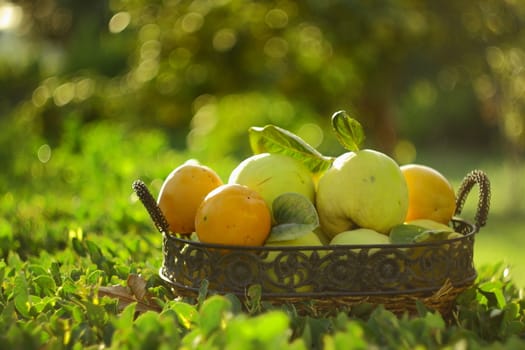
(310, 240)
(364, 189)
(272, 174)
(360, 236)
(453, 235)
(430, 224)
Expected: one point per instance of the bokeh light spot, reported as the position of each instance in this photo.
(179, 57)
(44, 153)
(192, 22)
(149, 31)
(471, 21)
(495, 58)
(196, 74)
(64, 94)
(84, 88)
(224, 40)
(205, 119)
(276, 18)
(119, 22)
(311, 38)
(517, 59)
(147, 70)
(424, 93)
(281, 111)
(150, 49)
(484, 87)
(311, 133)
(276, 47)
(448, 78)
(416, 22)
(405, 152)
(40, 96)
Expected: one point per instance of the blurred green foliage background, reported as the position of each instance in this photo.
(97, 93)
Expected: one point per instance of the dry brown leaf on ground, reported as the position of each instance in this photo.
(134, 292)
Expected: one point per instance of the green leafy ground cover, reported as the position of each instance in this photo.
(79, 263)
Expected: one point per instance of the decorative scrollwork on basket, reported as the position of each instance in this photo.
(389, 270)
(289, 271)
(317, 270)
(239, 270)
(341, 270)
(432, 263)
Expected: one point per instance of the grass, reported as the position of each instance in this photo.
(502, 240)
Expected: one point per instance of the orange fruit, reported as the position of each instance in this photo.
(233, 214)
(431, 195)
(182, 192)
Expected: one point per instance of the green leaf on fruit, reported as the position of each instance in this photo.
(273, 139)
(406, 234)
(294, 215)
(348, 131)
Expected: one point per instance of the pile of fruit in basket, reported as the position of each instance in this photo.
(288, 193)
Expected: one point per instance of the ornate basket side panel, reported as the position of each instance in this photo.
(310, 271)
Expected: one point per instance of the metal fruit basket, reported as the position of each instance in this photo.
(321, 280)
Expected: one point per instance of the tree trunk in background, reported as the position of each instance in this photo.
(379, 121)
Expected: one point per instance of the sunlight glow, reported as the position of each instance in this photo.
(10, 16)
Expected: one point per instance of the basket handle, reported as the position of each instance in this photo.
(151, 206)
(481, 179)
